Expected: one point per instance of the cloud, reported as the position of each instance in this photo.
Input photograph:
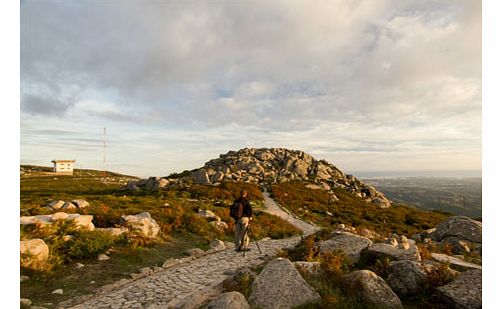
(326, 70)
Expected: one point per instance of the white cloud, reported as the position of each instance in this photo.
(341, 77)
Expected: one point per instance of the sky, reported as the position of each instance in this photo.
(370, 86)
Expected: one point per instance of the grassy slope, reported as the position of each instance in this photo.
(312, 205)
(173, 208)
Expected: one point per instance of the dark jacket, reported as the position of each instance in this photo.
(247, 211)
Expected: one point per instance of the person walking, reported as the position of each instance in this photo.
(241, 212)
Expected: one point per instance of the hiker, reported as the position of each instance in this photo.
(241, 212)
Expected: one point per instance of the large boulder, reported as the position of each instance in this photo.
(280, 285)
(34, 253)
(350, 244)
(230, 300)
(201, 176)
(372, 289)
(409, 278)
(381, 250)
(465, 291)
(461, 227)
(141, 224)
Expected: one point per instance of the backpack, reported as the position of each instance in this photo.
(234, 209)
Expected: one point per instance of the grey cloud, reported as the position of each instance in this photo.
(37, 105)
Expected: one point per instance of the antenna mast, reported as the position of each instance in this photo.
(104, 148)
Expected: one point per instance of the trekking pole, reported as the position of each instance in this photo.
(256, 242)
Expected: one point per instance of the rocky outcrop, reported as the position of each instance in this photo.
(230, 300)
(81, 221)
(280, 285)
(465, 291)
(351, 245)
(34, 253)
(271, 165)
(460, 227)
(141, 225)
(372, 289)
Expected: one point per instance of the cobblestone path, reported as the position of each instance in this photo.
(171, 286)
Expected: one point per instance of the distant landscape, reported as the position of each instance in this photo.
(458, 195)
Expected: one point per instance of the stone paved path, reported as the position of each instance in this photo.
(170, 287)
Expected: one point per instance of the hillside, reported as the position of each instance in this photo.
(181, 204)
(267, 166)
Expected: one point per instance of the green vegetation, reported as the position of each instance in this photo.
(174, 208)
(313, 205)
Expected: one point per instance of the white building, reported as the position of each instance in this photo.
(63, 166)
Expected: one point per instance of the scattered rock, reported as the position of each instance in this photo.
(280, 285)
(385, 250)
(217, 245)
(196, 252)
(79, 265)
(25, 302)
(465, 291)
(80, 203)
(56, 205)
(69, 206)
(230, 300)
(170, 262)
(24, 278)
(114, 231)
(82, 221)
(34, 253)
(350, 244)
(372, 289)
(220, 225)
(58, 291)
(461, 227)
(141, 224)
(103, 257)
(454, 262)
(208, 214)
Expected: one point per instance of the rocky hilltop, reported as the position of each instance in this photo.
(271, 165)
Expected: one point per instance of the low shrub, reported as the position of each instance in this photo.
(87, 244)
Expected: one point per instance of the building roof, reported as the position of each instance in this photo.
(63, 161)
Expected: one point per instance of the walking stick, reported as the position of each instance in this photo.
(248, 230)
